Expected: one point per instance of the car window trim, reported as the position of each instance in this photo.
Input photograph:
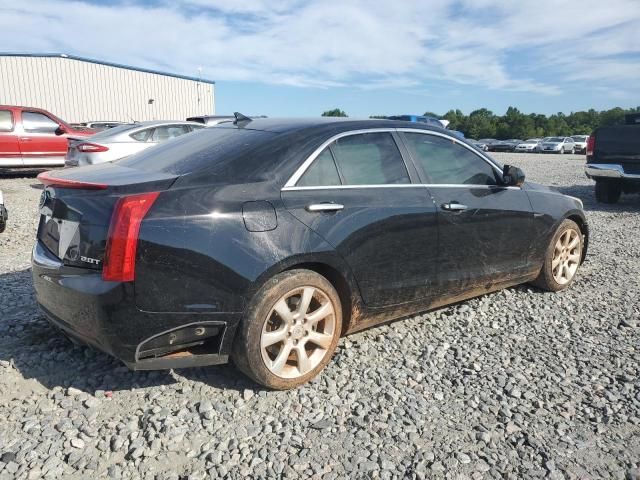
(290, 184)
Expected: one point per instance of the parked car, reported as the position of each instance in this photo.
(4, 216)
(418, 118)
(529, 146)
(210, 120)
(580, 143)
(504, 145)
(266, 241)
(613, 160)
(480, 145)
(558, 145)
(119, 142)
(32, 137)
(103, 125)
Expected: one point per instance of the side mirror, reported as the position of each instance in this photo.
(61, 130)
(512, 176)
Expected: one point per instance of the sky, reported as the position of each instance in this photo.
(367, 57)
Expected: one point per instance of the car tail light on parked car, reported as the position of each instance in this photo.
(91, 147)
(122, 241)
(591, 143)
(48, 180)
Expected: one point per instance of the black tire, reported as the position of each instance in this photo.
(247, 352)
(573, 150)
(545, 279)
(561, 151)
(608, 191)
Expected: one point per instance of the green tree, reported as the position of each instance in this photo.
(336, 112)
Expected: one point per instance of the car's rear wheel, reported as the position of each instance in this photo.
(291, 330)
(608, 191)
(562, 258)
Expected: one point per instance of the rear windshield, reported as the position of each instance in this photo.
(197, 151)
(114, 131)
(556, 139)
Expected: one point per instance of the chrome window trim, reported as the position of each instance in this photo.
(290, 185)
(400, 185)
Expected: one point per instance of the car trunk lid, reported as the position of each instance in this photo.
(76, 207)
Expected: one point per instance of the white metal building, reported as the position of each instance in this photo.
(80, 89)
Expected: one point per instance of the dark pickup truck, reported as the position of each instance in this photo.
(613, 159)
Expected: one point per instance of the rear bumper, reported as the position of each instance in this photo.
(103, 314)
(606, 170)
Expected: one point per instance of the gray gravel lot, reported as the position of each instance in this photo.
(517, 384)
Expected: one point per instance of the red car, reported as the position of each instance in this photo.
(32, 137)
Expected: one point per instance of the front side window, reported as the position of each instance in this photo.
(6, 121)
(445, 162)
(369, 159)
(35, 122)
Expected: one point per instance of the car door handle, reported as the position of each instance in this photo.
(454, 207)
(324, 207)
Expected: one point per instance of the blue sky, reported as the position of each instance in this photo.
(300, 57)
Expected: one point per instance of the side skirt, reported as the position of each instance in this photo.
(363, 319)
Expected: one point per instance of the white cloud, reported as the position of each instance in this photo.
(541, 46)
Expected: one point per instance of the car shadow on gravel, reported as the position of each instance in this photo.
(627, 203)
(21, 173)
(36, 350)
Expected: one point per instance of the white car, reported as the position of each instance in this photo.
(529, 146)
(3, 214)
(119, 142)
(558, 145)
(581, 143)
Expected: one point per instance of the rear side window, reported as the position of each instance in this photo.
(369, 159)
(322, 172)
(167, 132)
(6, 121)
(35, 122)
(444, 161)
(142, 135)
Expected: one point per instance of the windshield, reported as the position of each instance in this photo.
(580, 138)
(114, 131)
(531, 142)
(556, 139)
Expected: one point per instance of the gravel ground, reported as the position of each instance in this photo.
(517, 384)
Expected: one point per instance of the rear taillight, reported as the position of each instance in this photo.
(91, 147)
(122, 242)
(591, 143)
(47, 179)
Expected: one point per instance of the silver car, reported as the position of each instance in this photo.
(558, 145)
(124, 140)
(529, 146)
(581, 143)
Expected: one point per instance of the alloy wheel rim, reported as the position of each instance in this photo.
(566, 257)
(298, 332)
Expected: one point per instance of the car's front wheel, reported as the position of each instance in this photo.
(562, 258)
(290, 331)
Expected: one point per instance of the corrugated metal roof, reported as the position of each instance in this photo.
(109, 64)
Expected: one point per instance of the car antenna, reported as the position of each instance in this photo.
(240, 119)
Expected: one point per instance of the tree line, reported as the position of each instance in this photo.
(483, 123)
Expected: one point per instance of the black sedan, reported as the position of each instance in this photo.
(504, 145)
(264, 241)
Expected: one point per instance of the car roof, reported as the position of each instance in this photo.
(285, 125)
